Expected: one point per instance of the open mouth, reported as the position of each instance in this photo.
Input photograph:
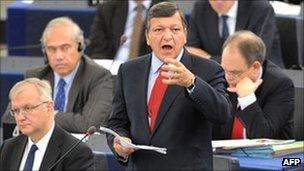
(167, 47)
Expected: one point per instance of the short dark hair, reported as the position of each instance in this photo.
(250, 46)
(164, 9)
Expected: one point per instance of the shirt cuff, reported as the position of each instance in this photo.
(246, 101)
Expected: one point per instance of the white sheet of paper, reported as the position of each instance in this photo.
(232, 144)
(127, 144)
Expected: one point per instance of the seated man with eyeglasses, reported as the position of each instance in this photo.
(261, 94)
(42, 141)
(83, 89)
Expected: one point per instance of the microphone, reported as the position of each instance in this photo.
(89, 132)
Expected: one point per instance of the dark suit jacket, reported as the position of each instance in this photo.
(108, 27)
(183, 122)
(271, 116)
(90, 96)
(256, 16)
(81, 158)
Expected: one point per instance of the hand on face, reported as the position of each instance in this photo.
(245, 87)
(176, 73)
(120, 150)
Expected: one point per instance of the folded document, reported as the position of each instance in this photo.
(127, 144)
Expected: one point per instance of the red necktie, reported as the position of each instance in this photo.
(237, 130)
(155, 100)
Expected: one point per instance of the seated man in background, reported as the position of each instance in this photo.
(261, 94)
(113, 32)
(42, 141)
(211, 22)
(83, 90)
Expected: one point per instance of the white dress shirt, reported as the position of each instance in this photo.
(123, 51)
(244, 102)
(231, 20)
(68, 80)
(39, 154)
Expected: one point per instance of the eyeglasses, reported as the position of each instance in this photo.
(235, 74)
(25, 110)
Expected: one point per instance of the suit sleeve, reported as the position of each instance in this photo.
(267, 121)
(100, 41)
(210, 97)
(95, 109)
(118, 120)
(82, 159)
(265, 27)
(193, 38)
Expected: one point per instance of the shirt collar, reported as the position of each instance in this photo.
(67, 78)
(232, 13)
(43, 142)
(156, 62)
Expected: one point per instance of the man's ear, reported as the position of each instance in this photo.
(147, 37)
(256, 65)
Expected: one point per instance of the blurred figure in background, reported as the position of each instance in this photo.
(211, 22)
(118, 30)
(42, 141)
(83, 90)
(261, 94)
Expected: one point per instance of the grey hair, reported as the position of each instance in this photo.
(250, 46)
(43, 87)
(79, 38)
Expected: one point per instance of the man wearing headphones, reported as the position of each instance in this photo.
(82, 90)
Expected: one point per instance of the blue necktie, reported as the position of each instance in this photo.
(30, 158)
(60, 96)
(225, 31)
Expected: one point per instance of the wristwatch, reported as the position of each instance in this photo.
(191, 87)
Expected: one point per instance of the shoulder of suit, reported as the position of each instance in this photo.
(91, 65)
(274, 74)
(37, 71)
(15, 140)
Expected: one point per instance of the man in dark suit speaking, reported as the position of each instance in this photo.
(42, 141)
(261, 94)
(170, 100)
(82, 90)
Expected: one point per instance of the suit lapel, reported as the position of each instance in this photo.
(172, 92)
(53, 150)
(241, 18)
(142, 83)
(76, 86)
(213, 37)
(118, 23)
(17, 153)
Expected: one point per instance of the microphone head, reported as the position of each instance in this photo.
(91, 130)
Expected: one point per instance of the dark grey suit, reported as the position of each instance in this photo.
(271, 116)
(183, 122)
(256, 16)
(90, 96)
(81, 158)
(108, 27)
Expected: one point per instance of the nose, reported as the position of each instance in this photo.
(20, 116)
(167, 34)
(58, 54)
(230, 78)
